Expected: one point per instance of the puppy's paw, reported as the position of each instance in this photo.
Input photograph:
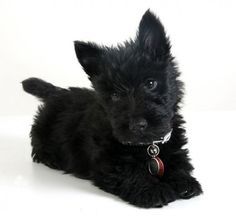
(188, 187)
(154, 197)
(166, 195)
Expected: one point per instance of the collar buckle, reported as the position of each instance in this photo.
(164, 139)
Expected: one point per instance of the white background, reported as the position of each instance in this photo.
(36, 39)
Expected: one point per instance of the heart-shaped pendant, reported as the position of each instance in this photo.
(156, 166)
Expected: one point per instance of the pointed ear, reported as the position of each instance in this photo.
(152, 37)
(89, 56)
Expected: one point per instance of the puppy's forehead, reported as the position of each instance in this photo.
(126, 68)
(133, 72)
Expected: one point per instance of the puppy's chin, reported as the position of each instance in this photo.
(140, 140)
(133, 143)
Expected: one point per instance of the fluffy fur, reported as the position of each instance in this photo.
(102, 134)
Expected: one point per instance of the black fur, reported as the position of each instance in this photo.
(102, 134)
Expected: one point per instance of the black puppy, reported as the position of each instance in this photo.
(126, 134)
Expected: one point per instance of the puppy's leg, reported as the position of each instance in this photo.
(135, 186)
(178, 176)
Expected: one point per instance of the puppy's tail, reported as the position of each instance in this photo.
(40, 88)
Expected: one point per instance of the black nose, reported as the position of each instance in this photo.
(139, 124)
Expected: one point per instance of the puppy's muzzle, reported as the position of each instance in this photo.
(138, 125)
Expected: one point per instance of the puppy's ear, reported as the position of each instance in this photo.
(152, 37)
(89, 56)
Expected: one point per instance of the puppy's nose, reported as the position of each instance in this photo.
(139, 124)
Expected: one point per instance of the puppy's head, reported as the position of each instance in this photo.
(136, 82)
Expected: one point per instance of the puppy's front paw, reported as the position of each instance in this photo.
(154, 197)
(188, 187)
(166, 195)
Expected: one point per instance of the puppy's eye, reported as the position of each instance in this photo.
(115, 97)
(150, 85)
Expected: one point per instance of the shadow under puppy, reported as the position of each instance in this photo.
(126, 134)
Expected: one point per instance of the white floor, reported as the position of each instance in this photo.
(29, 190)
